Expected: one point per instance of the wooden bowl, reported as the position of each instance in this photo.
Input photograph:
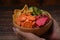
(37, 31)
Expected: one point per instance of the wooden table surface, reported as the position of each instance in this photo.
(6, 32)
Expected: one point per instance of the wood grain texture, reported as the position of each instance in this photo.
(6, 32)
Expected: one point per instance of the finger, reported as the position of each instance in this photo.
(19, 31)
(29, 36)
(55, 25)
(56, 30)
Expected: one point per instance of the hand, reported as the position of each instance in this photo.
(27, 36)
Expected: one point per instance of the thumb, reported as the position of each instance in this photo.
(56, 30)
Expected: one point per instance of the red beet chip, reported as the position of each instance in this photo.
(41, 21)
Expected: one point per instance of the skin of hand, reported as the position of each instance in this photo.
(56, 31)
(31, 36)
(27, 36)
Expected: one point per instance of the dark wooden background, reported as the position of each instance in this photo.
(6, 11)
(30, 2)
(6, 32)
